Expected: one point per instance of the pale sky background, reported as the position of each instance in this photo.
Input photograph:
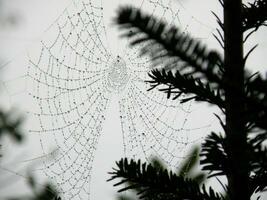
(34, 18)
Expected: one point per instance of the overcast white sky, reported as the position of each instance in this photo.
(34, 17)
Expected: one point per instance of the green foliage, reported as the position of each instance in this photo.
(186, 168)
(125, 197)
(157, 163)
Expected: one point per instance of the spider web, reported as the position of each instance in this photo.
(70, 84)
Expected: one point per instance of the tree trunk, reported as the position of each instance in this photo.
(235, 125)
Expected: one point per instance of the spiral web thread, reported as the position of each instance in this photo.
(70, 86)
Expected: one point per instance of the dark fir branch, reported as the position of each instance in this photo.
(186, 67)
(257, 162)
(213, 156)
(255, 15)
(256, 101)
(169, 47)
(179, 84)
(155, 183)
(215, 159)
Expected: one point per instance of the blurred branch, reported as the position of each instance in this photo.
(10, 126)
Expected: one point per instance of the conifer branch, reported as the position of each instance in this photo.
(10, 126)
(255, 15)
(240, 154)
(153, 183)
(168, 47)
(179, 84)
(256, 101)
(214, 158)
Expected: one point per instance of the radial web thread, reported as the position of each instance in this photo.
(70, 86)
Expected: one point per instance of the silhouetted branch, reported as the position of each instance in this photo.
(178, 84)
(255, 15)
(159, 184)
(168, 47)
